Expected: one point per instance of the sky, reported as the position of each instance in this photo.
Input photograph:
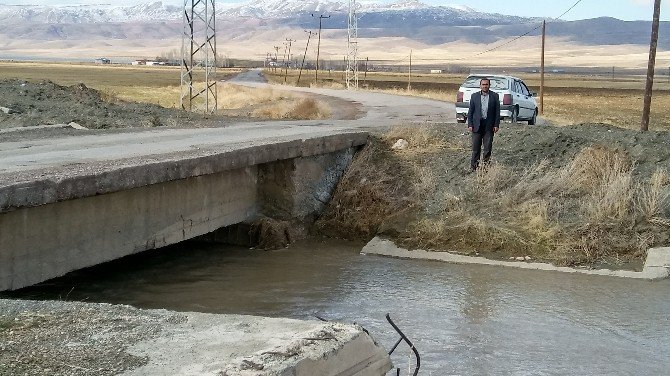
(623, 9)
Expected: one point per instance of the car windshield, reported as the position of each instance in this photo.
(497, 83)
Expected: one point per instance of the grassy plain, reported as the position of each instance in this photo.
(161, 85)
(568, 99)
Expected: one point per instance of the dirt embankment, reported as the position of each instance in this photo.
(577, 195)
(30, 104)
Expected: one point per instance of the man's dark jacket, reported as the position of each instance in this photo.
(475, 111)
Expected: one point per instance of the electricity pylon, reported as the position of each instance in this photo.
(352, 48)
(198, 56)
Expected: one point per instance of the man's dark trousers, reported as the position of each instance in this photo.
(482, 138)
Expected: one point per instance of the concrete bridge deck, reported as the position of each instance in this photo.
(76, 201)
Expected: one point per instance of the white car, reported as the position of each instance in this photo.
(516, 101)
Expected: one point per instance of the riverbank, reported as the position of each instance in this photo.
(71, 338)
(587, 195)
(656, 265)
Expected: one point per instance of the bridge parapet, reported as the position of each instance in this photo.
(73, 217)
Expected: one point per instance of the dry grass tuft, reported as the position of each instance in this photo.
(309, 108)
(538, 181)
(596, 165)
(421, 139)
(490, 179)
(168, 96)
(328, 85)
(653, 201)
(269, 103)
(236, 96)
(611, 201)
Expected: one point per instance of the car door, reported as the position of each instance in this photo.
(532, 103)
(522, 98)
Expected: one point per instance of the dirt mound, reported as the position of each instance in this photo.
(582, 194)
(30, 104)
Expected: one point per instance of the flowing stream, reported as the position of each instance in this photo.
(463, 319)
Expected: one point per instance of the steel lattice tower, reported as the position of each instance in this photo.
(198, 56)
(352, 48)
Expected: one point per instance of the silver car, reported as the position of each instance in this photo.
(516, 101)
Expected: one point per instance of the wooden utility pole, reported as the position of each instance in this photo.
(309, 36)
(367, 59)
(276, 61)
(544, 34)
(288, 60)
(644, 125)
(409, 78)
(318, 49)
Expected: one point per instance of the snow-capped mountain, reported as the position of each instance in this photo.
(261, 9)
(27, 30)
(151, 11)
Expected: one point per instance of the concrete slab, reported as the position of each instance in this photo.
(229, 345)
(46, 338)
(655, 271)
(658, 262)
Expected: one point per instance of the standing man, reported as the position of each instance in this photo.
(483, 122)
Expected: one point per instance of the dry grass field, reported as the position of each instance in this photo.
(161, 85)
(568, 99)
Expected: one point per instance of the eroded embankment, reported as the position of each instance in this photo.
(579, 195)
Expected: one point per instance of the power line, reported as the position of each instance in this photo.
(569, 9)
(529, 31)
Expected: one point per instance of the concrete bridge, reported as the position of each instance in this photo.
(73, 202)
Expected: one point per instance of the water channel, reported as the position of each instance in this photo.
(464, 319)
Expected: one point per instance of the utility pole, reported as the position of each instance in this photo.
(544, 33)
(309, 36)
(276, 60)
(288, 61)
(409, 78)
(365, 75)
(283, 61)
(318, 48)
(644, 125)
(198, 42)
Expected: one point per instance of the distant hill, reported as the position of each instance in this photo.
(33, 29)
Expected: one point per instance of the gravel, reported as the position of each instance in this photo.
(71, 338)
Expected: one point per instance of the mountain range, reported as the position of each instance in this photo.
(85, 31)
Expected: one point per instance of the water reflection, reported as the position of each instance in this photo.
(465, 320)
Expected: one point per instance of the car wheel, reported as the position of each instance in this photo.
(515, 116)
(533, 120)
(460, 121)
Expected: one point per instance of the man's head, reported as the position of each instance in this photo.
(485, 84)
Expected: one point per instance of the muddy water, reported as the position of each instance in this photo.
(465, 320)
